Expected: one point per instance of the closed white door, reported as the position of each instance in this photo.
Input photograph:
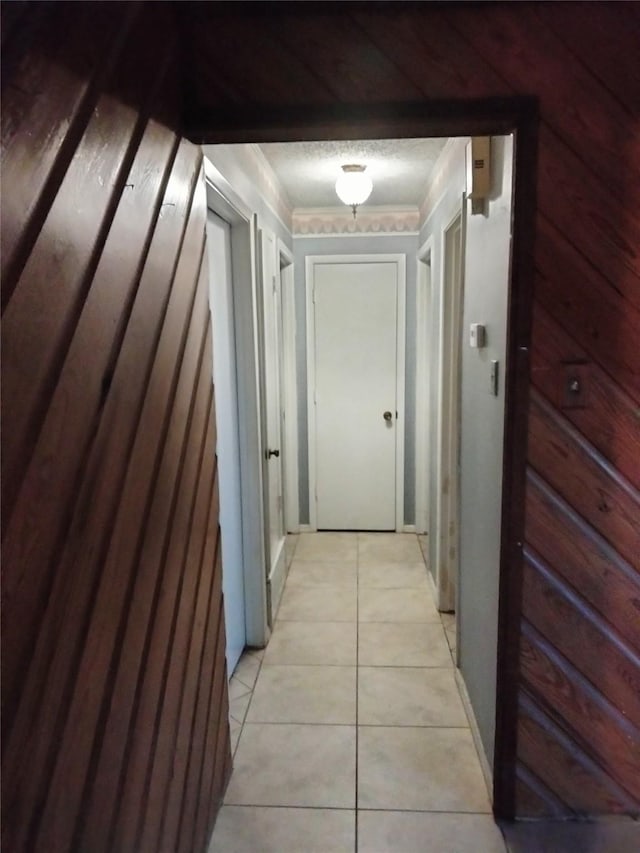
(227, 428)
(272, 337)
(355, 395)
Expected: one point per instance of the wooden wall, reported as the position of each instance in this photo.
(114, 703)
(579, 683)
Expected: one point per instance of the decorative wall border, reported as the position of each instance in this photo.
(339, 221)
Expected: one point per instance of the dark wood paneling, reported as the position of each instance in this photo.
(607, 45)
(588, 306)
(589, 643)
(109, 472)
(614, 436)
(565, 763)
(56, 80)
(43, 312)
(347, 63)
(534, 798)
(584, 559)
(585, 479)
(595, 724)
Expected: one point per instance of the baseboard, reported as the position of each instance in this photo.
(275, 584)
(305, 528)
(409, 528)
(432, 586)
(475, 734)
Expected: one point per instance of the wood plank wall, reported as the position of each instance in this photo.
(579, 718)
(114, 693)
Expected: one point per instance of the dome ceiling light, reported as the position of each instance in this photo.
(353, 186)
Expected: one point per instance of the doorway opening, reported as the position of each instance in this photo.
(518, 118)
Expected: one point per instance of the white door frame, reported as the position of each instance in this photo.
(447, 542)
(424, 370)
(289, 389)
(438, 378)
(271, 381)
(224, 201)
(310, 263)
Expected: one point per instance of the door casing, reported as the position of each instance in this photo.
(445, 117)
(223, 200)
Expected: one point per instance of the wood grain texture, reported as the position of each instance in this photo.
(108, 415)
(583, 559)
(595, 723)
(571, 627)
(585, 479)
(564, 763)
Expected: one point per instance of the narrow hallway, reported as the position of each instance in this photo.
(349, 731)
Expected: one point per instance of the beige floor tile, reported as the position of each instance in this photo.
(319, 574)
(415, 832)
(238, 707)
(396, 605)
(258, 654)
(310, 643)
(305, 694)
(327, 546)
(421, 769)
(247, 670)
(405, 696)
(423, 542)
(238, 688)
(394, 576)
(448, 621)
(402, 644)
(235, 729)
(290, 545)
(246, 829)
(380, 548)
(294, 765)
(318, 604)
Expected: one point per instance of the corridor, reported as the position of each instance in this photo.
(349, 731)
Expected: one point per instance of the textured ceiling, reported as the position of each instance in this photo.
(399, 169)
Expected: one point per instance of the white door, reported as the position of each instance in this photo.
(228, 449)
(356, 398)
(273, 477)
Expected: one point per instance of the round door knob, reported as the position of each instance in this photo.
(387, 416)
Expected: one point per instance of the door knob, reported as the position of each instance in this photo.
(387, 416)
(271, 453)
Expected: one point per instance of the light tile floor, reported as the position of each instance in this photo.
(348, 731)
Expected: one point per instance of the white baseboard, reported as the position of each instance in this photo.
(305, 528)
(409, 528)
(475, 734)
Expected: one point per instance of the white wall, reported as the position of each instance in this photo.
(253, 180)
(485, 300)
(488, 241)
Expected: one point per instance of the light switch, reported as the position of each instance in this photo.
(494, 377)
(575, 385)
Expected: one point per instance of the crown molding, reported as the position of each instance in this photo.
(339, 221)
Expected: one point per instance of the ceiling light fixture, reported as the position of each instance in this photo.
(353, 186)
